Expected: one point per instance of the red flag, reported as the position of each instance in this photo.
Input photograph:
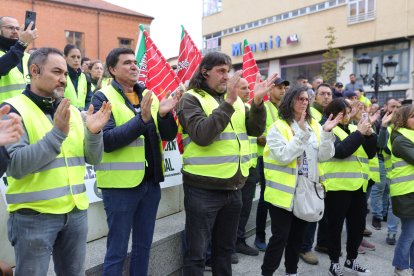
(188, 59)
(250, 69)
(155, 73)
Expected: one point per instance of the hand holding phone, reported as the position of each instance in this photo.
(30, 17)
(30, 32)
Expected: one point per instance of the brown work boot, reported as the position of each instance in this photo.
(367, 233)
(309, 258)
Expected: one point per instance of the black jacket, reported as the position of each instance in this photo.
(13, 55)
(116, 137)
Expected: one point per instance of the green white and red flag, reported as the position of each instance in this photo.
(250, 68)
(155, 73)
(189, 58)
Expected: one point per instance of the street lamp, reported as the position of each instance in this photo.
(376, 81)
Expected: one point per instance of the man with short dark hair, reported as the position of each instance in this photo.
(13, 59)
(46, 193)
(131, 170)
(353, 84)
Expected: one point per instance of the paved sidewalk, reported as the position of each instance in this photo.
(378, 261)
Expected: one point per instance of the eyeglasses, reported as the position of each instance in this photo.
(303, 99)
(11, 28)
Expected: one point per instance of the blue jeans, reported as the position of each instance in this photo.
(36, 236)
(211, 215)
(309, 236)
(126, 209)
(392, 220)
(380, 194)
(404, 251)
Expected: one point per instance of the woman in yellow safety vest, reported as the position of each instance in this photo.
(78, 89)
(96, 70)
(402, 187)
(295, 145)
(345, 177)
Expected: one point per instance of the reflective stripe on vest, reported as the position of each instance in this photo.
(402, 173)
(348, 174)
(15, 81)
(57, 187)
(227, 152)
(281, 179)
(124, 167)
(77, 97)
(46, 194)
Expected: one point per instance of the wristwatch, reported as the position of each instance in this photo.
(22, 43)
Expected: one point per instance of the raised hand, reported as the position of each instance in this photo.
(301, 122)
(28, 35)
(364, 127)
(373, 118)
(386, 119)
(95, 122)
(62, 116)
(11, 128)
(146, 107)
(231, 87)
(331, 123)
(262, 88)
(168, 103)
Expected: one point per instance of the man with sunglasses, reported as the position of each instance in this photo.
(13, 59)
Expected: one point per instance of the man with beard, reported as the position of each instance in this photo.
(13, 59)
(46, 192)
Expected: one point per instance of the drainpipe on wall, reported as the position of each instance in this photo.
(98, 32)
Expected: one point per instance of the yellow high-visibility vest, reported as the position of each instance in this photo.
(281, 179)
(253, 148)
(77, 99)
(315, 114)
(58, 186)
(347, 174)
(229, 150)
(15, 81)
(272, 114)
(402, 173)
(124, 167)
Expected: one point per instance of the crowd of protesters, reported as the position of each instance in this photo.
(60, 110)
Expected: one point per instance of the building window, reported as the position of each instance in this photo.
(125, 43)
(211, 7)
(360, 11)
(77, 39)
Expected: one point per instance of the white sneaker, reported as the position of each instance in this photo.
(403, 272)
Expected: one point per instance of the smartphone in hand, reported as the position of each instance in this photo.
(30, 17)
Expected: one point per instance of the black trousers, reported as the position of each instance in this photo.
(287, 236)
(247, 199)
(262, 206)
(211, 215)
(349, 205)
